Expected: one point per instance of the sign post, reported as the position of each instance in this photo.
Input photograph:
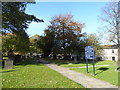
(89, 54)
(93, 67)
(87, 65)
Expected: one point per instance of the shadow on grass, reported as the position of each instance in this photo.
(8, 71)
(28, 62)
(62, 62)
(102, 69)
(19, 67)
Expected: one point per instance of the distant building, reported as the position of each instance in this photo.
(110, 52)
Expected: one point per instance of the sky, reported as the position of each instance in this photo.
(84, 12)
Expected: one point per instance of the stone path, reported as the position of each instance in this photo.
(86, 81)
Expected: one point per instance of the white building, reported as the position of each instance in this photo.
(110, 53)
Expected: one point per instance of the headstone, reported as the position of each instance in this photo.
(54, 57)
(75, 59)
(16, 58)
(8, 64)
(34, 57)
(23, 57)
(37, 57)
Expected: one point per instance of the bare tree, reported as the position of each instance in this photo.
(110, 17)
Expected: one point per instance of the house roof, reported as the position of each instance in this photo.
(111, 47)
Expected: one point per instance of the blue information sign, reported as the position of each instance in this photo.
(89, 52)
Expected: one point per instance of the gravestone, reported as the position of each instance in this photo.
(37, 57)
(8, 64)
(23, 57)
(75, 59)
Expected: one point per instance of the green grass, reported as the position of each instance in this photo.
(35, 76)
(70, 63)
(106, 73)
(106, 62)
(83, 63)
(5, 57)
(67, 63)
(58, 62)
(73, 65)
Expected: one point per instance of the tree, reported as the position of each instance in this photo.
(119, 34)
(14, 17)
(16, 21)
(46, 42)
(66, 32)
(89, 40)
(22, 44)
(110, 17)
(15, 43)
(8, 42)
(34, 46)
(93, 40)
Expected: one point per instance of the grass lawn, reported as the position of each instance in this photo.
(70, 63)
(58, 62)
(75, 65)
(106, 73)
(106, 62)
(83, 63)
(5, 57)
(35, 76)
(67, 63)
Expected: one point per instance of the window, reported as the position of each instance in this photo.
(113, 58)
(112, 51)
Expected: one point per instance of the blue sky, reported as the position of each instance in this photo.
(86, 12)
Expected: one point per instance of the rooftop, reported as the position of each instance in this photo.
(110, 47)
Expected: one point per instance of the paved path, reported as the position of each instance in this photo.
(86, 81)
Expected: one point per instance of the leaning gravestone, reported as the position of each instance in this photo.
(8, 64)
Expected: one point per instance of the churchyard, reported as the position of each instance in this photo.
(36, 75)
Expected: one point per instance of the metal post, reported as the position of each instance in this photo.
(87, 65)
(93, 67)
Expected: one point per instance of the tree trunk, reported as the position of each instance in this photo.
(118, 36)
